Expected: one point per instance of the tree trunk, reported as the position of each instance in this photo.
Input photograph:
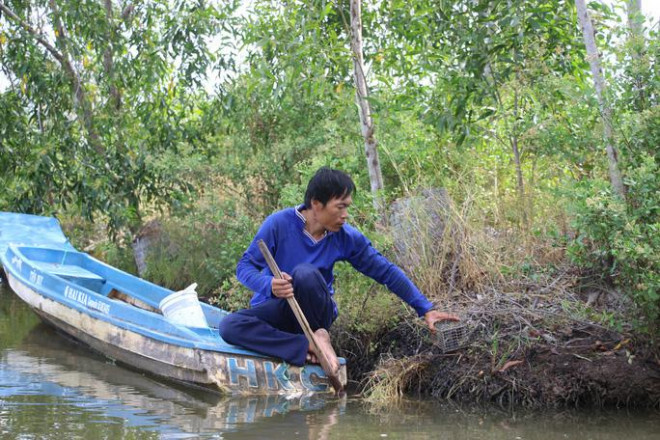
(635, 17)
(516, 158)
(599, 82)
(637, 48)
(108, 61)
(370, 146)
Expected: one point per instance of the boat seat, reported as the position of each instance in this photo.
(118, 293)
(68, 271)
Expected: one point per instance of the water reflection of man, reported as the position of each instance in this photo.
(306, 241)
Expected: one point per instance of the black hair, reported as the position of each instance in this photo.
(328, 184)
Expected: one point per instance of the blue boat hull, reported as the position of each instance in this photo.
(117, 314)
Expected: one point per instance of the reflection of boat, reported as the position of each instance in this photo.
(65, 369)
(118, 315)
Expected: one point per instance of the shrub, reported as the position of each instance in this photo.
(201, 247)
(621, 240)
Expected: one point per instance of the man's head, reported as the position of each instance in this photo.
(328, 184)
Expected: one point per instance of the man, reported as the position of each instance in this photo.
(306, 241)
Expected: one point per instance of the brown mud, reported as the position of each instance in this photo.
(523, 353)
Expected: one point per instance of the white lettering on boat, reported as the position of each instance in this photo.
(86, 300)
(76, 295)
(98, 305)
(35, 278)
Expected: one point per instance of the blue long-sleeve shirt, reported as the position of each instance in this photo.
(285, 235)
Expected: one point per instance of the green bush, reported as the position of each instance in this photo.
(620, 240)
(202, 247)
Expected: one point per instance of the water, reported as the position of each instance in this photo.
(52, 388)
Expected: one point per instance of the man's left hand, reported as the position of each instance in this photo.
(433, 316)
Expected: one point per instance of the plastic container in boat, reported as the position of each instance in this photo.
(183, 308)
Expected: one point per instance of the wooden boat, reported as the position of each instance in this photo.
(118, 315)
(55, 366)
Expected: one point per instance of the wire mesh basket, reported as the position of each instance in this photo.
(452, 335)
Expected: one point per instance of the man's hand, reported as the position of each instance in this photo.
(282, 287)
(433, 316)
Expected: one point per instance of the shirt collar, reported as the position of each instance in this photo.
(298, 210)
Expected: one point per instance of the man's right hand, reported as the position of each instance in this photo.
(282, 287)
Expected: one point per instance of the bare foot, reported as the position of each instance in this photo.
(325, 346)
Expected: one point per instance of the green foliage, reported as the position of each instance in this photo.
(621, 241)
(201, 247)
(618, 240)
(636, 68)
(288, 107)
(119, 255)
(365, 307)
(85, 119)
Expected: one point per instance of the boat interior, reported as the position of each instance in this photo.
(82, 270)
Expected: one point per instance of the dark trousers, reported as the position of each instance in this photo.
(271, 327)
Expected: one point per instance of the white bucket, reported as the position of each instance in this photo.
(183, 308)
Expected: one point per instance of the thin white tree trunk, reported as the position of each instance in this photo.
(599, 82)
(516, 157)
(635, 17)
(637, 47)
(362, 93)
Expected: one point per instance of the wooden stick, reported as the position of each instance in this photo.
(300, 317)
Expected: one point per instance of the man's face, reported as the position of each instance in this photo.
(334, 214)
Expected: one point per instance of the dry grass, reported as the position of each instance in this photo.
(448, 250)
(388, 383)
(433, 242)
